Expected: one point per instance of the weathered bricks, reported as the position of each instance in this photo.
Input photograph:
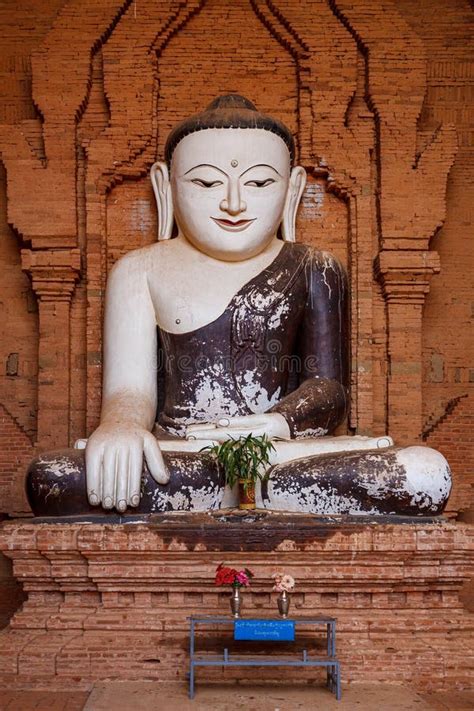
(399, 613)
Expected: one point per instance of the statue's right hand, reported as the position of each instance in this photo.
(114, 462)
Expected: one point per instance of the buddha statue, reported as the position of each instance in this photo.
(230, 327)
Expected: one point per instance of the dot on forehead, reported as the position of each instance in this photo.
(231, 147)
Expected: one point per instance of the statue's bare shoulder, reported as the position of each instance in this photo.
(159, 276)
(139, 263)
(151, 271)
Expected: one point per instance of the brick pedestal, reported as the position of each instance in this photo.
(110, 601)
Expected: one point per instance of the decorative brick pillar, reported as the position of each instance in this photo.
(53, 274)
(405, 277)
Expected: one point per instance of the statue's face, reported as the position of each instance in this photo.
(229, 187)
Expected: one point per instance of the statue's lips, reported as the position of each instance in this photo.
(233, 225)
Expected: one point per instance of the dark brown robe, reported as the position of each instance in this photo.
(279, 346)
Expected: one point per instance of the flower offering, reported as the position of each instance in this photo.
(231, 576)
(283, 582)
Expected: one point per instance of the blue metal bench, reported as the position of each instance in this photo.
(266, 632)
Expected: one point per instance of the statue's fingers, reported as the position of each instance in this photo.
(135, 466)
(212, 434)
(201, 426)
(93, 471)
(222, 435)
(108, 479)
(121, 480)
(240, 421)
(101, 478)
(154, 460)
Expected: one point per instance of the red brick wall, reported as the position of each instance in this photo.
(452, 435)
(88, 92)
(110, 602)
(16, 451)
(448, 345)
(19, 327)
(11, 593)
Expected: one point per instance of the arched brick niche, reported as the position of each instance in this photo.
(220, 51)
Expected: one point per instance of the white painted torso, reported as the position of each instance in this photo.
(189, 289)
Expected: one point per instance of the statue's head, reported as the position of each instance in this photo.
(228, 180)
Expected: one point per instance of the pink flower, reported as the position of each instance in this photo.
(242, 578)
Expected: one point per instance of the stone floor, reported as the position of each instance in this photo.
(129, 696)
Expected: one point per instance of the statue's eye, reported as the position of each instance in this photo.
(260, 183)
(206, 183)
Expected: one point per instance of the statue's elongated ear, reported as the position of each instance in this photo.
(162, 189)
(293, 197)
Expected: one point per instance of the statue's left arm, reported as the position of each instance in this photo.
(319, 403)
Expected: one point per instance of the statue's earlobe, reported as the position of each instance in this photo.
(293, 197)
(162, 189)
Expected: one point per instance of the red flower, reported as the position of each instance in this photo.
(231, 576)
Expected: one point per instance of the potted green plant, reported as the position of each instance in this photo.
(243, 460)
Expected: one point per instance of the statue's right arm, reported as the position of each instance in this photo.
(115, 451)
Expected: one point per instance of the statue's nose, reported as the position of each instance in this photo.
(232, 203)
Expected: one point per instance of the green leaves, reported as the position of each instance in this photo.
(242, 458)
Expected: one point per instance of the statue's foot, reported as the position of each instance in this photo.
(411, 481)
(56, 485)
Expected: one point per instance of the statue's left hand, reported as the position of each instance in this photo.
(271, 424)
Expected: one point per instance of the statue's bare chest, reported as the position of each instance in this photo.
(188, 294)
(184, 303)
